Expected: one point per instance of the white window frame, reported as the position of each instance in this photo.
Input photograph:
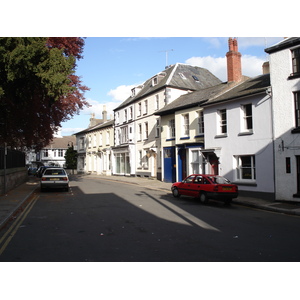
(156, 102)
(200, 121)
(145, 107)
(245, 118)
(146, 131)
(124, 135)
(117, 117)
(195, 164)
(157, 128)
(90, 141)
(171, 131)
(107, 137)
(241, 169)
(94, 140)
(185, 125)
(139, 131)
(222, 121)
(154, 80)
(145, 160)
(140, 159)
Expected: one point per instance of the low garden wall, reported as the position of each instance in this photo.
(13, 178)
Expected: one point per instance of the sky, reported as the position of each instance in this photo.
(112, 66)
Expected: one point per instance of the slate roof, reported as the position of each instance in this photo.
(286, 43)
(98, 126)
(192, 99)
(252, 86)
(177, 76)
(218, 93)
(61, 142)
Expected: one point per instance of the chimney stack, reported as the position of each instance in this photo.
(104, 113)
(266, 67)
(234, 65)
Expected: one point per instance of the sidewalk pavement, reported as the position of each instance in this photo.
(13, 201)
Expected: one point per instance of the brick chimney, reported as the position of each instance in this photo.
(234, 65)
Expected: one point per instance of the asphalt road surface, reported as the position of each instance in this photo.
(105, 221)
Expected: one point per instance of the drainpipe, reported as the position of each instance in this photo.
(4, 165)
(269, 93)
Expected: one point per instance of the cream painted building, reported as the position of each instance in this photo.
(137, 150)
(94, 146)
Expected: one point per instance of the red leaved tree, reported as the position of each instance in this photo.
(38, 88)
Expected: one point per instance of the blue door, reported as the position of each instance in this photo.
(169, 164)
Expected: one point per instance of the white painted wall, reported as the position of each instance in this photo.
(259, 143)
(284, 122)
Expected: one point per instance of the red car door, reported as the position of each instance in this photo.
(186, 187)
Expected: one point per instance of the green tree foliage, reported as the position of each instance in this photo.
(38, 88)
(71, 158)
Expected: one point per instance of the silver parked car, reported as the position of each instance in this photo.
(55, 178)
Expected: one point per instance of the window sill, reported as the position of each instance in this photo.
(185, 138)
(245, 133)
(219, 136)
(171, 139)
(249, 183)
(199, 135)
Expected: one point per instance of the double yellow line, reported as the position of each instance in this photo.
(9, 234)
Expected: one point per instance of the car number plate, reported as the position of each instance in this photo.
(54, 179)
(227, 188)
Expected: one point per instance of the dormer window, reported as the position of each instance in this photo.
(136, 90)
(133, 92)
(154, 81)
(195, 78)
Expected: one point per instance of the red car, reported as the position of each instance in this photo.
(206, 187)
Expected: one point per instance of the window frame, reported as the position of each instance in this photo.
(200, 122)
(185, 125)
(297, 108)
(171, 127)
(246, 118)
(295, 61)
(241, 167)
(157, 128)
(146, 126)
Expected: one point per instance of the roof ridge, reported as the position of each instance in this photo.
(172, 74)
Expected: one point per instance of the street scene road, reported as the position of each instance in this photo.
(105, 221)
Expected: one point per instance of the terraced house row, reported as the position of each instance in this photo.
(185, 120)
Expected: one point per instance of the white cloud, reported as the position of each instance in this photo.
(70, 131)
(118, 95)
(121, 93)
(251, 65)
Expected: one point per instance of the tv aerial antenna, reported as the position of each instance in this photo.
(167, 51)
